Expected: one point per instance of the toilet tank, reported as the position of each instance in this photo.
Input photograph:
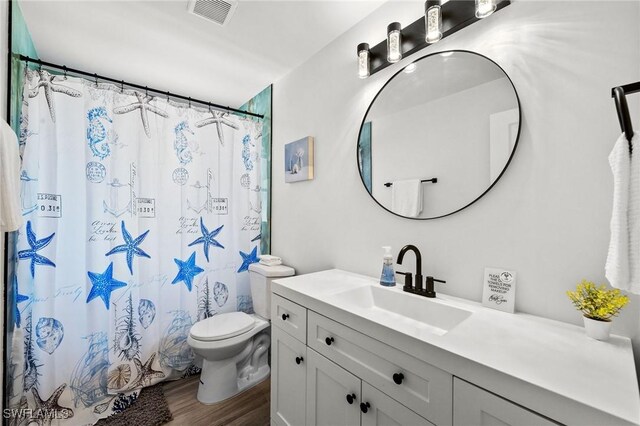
(260, 277)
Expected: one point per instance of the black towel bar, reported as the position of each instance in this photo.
(619, 95)
(432, 180)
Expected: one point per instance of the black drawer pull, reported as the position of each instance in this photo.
(351, 398)
(284, 317)
(329, 340)
(398, 378)
(364, 407)
(299, 359)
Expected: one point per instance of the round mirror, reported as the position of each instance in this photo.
(439, 135)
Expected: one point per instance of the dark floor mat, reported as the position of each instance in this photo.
(150, 409)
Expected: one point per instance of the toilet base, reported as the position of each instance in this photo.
(220, 380)
(225, 383)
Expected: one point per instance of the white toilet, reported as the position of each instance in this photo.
(234, 346)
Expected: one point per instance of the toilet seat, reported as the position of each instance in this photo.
(222, 326)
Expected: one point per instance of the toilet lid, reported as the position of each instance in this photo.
(222, 326)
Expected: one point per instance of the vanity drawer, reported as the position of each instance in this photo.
(289, 317)
(476, 406)
(423, 388)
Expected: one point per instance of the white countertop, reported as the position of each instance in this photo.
(551, 367)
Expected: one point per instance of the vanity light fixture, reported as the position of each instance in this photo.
(410, 68)
(439, 19)
(394, 42)
(433, 21)
(364, 64)
(485, 8)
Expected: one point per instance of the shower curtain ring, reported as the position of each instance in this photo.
(122, 86)
(168, 95)
(189, 102)
(95, 76)
(64, 68)
(146, 91)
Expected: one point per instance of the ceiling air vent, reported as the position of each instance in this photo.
(218, 11)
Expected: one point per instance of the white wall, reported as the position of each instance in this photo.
(547, 218)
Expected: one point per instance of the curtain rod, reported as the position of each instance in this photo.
(135, 86)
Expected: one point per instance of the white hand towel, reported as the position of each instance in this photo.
(269, 260)
(617, 266)
(633, 218)
(406, 197)
(10, 212)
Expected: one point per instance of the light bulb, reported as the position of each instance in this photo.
(433, 21)
(394, 42)
(364, 65)
(485, 8)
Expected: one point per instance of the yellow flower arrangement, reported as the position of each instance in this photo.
(598, 303)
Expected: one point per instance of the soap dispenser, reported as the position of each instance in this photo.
(388, 276)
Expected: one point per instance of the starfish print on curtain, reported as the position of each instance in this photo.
(49, 86)
(187, 271)
(248, 259)
(146, 373)
(144, 106)
(103, 284)
(50, 409)
(218, 118)
(130, 247)
(208, 238)
(32, 253)
(18, 298)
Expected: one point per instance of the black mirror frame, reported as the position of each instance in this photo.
(515, 145)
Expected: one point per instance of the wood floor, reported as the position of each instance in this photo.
(250, 408)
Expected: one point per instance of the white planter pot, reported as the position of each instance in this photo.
(598, 330)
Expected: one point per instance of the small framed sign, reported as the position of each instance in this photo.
(499, 290)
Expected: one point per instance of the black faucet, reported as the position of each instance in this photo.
(429, 290)
(407, 283)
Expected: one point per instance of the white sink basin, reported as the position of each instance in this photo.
(400, 310)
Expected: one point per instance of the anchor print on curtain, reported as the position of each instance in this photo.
(140, 220)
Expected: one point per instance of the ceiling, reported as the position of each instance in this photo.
(159, 44)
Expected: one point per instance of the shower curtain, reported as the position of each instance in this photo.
(142, 217)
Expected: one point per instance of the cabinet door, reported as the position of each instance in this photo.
(382, 410)
(475, 406)
(288, 379)
(327, 388)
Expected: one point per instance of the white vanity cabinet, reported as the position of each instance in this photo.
(336, 397)
(442, 361)
(475, 406)
(327, 382)
(333, 394)
(418, 385)
(288, 379)
(385, 411)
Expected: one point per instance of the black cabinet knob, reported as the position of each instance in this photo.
(329, 340)
(364, 406)
(351, 397)
(284, 317)
(299, 359)
(398, 378)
